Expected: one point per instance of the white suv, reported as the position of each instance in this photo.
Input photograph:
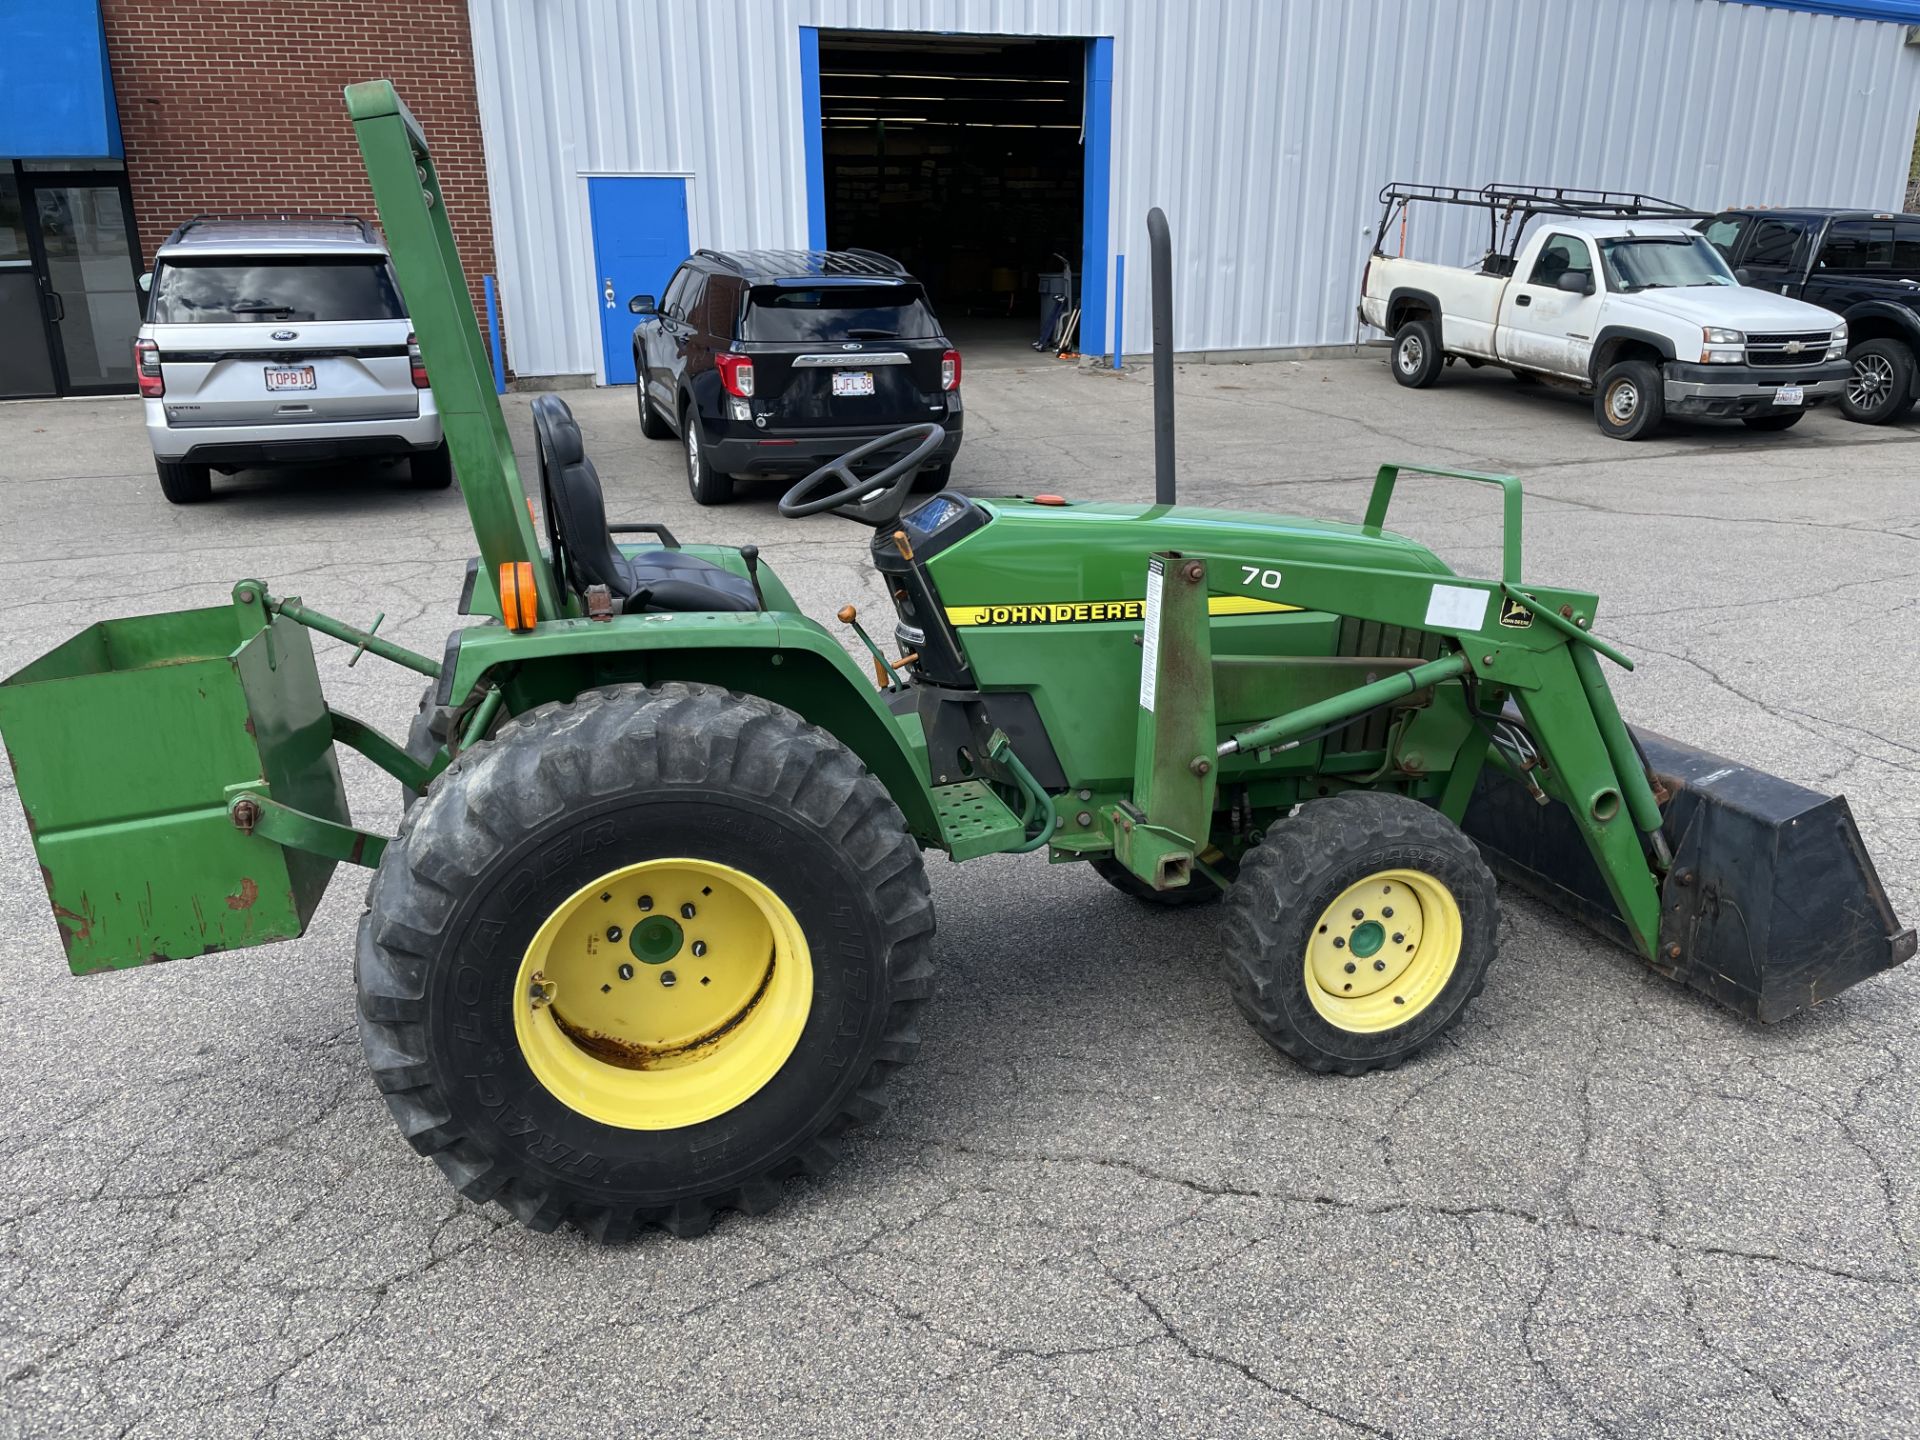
(280, 342)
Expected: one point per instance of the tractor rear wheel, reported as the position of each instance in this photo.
(641, 957)
(1358, 930)
(1201, 891)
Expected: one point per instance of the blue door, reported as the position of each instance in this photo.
(639, 236)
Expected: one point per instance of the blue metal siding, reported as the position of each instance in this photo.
(1901, 12)
(56, 94)
(1265, 129)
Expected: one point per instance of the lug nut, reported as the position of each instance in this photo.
(686, 911)
(626, 972)
(1351, 967)
(613, 933)
(1398, 938)
(646, 902)
(668, 979)
(1338, 943)
(1379, 964)
(1387, 911)
(1359, 914)
(699, 948)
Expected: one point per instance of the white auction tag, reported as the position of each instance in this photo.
(1457, 607)
(1150, 640)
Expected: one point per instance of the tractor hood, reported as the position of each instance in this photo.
(1029, 552)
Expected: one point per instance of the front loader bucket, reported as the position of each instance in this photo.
(129, 741)
(1771, 905)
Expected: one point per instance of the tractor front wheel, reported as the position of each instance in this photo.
(639, 958)
(1358, 930)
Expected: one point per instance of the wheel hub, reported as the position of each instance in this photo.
(1410, 354)
(711, 1011)
(1383, 950)
(1623, 400)
(1872, 379)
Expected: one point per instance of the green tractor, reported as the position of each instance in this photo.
(656, 928)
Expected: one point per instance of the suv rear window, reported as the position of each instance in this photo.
(238, 290)
(838, 312)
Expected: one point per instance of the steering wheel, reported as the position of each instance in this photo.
(876, 499)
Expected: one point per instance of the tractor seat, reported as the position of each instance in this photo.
(665, 579)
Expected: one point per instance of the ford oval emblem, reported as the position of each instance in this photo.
(286, 334)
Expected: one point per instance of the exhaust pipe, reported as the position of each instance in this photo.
(1160, 255)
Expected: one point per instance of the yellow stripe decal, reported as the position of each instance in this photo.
(1088, 611)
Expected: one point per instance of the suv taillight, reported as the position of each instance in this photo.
(950, 370)
(416, 362)
(146, 364)
(736, 373)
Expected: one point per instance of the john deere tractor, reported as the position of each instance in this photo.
(656, 929)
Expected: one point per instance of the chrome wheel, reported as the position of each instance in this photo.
(1623, 400)
(1872, 382)
(1410, 355)
(694, 477)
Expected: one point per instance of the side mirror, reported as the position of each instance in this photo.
(1743, 276)
(1574, 282)
(642, 305)
(146, 282)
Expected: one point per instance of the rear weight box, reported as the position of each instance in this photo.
(125, 741)
(1771, 905)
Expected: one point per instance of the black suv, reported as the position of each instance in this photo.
(1864, 267)
(773, 362)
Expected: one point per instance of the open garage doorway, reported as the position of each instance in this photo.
(966, 158)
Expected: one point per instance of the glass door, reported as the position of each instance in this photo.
(84, 238)
(26, 351)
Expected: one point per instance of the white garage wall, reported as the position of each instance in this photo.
(1264, 128)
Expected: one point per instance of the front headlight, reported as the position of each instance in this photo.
(1837, 344)
(1722, 347)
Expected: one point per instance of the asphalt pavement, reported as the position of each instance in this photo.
(1101, 1205)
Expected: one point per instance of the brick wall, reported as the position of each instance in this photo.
(235, 108)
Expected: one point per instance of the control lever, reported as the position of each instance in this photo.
(882, 667)
(751, 554)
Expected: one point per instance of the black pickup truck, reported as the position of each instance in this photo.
(772, 362)
(1863, 266)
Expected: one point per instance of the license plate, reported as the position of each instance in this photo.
(1790, 395)
(289, 377)
(853, 382)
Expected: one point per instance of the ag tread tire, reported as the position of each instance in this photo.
(567, 791)
(1631, 401)
(653, 424)
(1301, 866)
(1199, 891)
(431, 469)
(1417, 358)
(707, 485)
(184, 484)
(1779, 420)
(431, 727)
(1880, 390)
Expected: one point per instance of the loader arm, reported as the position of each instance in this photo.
(1508, 640)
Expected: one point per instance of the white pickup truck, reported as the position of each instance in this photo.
(1643, 314)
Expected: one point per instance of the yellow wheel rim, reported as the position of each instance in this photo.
(1383, 951)
(663, 994)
